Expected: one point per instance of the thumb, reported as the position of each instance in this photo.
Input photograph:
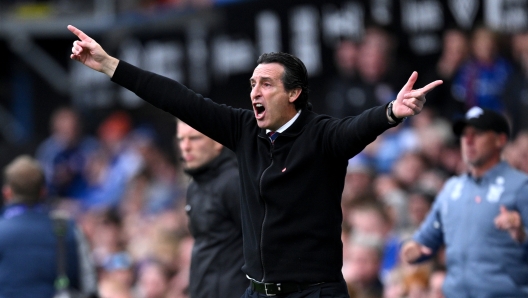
(503, 209)
(89, 44)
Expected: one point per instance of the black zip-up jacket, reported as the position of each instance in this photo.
(213, 207)
(291, 190)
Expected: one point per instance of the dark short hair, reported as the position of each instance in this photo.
(295, 75)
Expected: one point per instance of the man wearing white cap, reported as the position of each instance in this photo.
(480, 216)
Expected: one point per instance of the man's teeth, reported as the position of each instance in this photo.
(258, 105)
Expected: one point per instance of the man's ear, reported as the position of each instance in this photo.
(501, 140)
(7, 192)
(294, 94)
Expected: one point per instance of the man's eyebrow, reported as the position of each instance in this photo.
(261, 79)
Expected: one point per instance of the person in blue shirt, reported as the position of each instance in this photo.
(480, 216)
(28, 239)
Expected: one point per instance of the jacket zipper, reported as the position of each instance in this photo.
(265, 215)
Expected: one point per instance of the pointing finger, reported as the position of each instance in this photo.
(82, 36)
(431, 86)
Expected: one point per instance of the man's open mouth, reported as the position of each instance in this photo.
(259, 108)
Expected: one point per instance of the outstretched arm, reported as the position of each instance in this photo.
(90, 53)
(410, 102)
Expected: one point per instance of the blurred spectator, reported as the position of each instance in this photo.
(157, 186)
(118, 269)
(515, 94)
(436, 143)
(362, 265)
(481, 80)
(365, 74)
(166, 240)
(156, 236)
(419, 204)
(110, 170)
(408, 169)
(388, 191)
(180, 282)
(400, 139)
(371, 218)
(455, 51)
(184, 4)
(109, 245)
(385, 185)
(153, 280)
(64, 154)
(450, 160)
(380, 73)
(432, 180)
(433, 134)
(394, 286)
(28, 241)
(343, 92)
(516, 153)
(358, 181)
(109, 288)
(436, 281)
(416, 281)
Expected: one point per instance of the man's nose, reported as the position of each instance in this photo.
(184, 144)
(255, 93)
(469, 138)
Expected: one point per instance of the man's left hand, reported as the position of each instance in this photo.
(511, 221)
(410, 102)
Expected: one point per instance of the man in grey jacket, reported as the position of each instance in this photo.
(213, 207)
(480, 217)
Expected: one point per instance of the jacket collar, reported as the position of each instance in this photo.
(493, 172)
(16, 209)
(297, 127)
(212, 168)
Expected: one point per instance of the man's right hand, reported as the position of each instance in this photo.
(90, 53)
(412, 251)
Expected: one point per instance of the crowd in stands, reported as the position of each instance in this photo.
(39, 8)
(392, 184)
(129, 197)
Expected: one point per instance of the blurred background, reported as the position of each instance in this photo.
(111, 160)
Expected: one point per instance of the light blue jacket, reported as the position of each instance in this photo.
(482, 261)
